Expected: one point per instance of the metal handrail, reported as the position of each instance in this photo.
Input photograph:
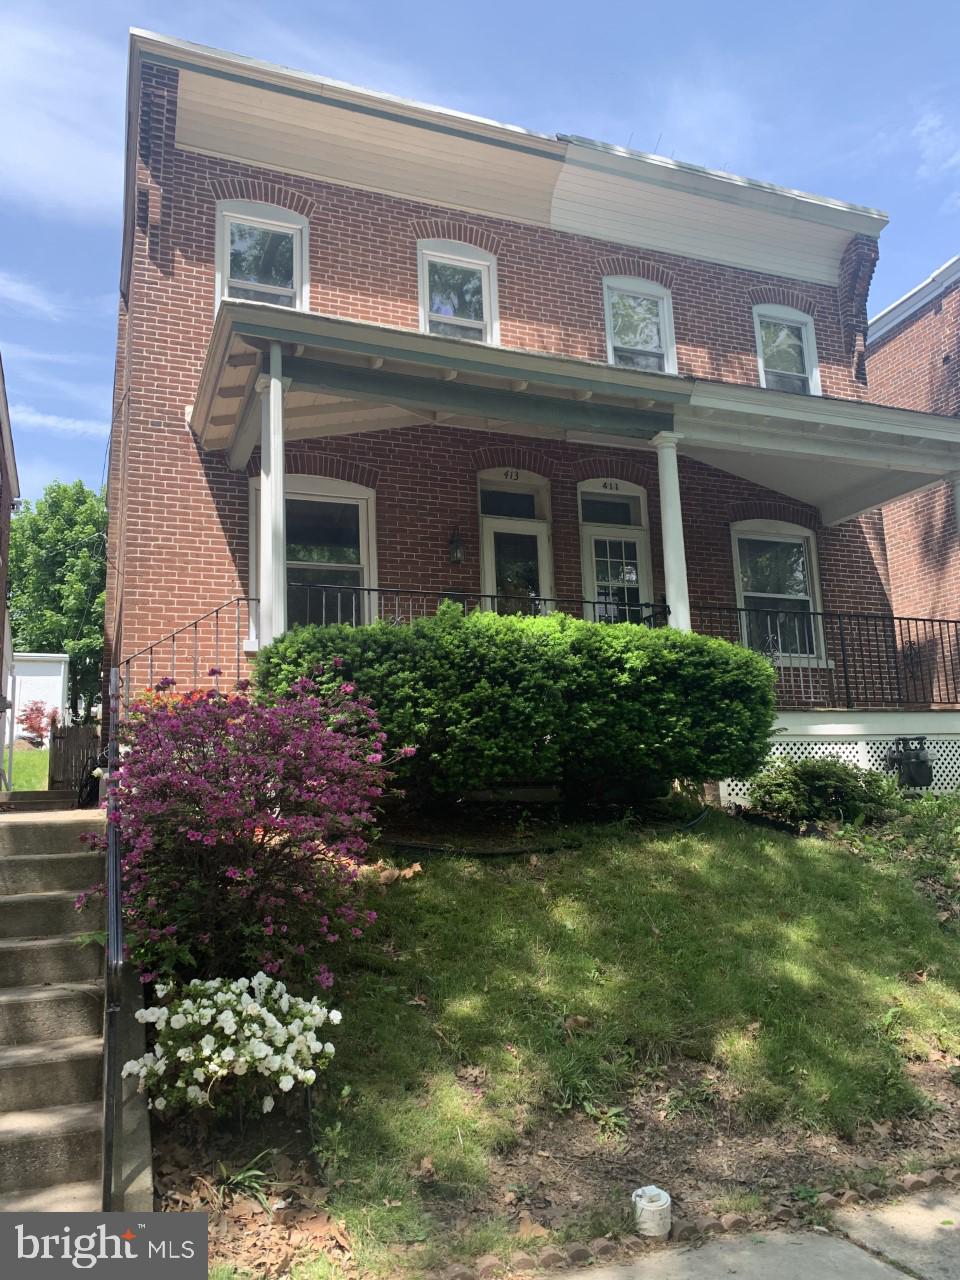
(112, 1066)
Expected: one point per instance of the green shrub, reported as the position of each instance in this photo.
(489, 701)
(826, 789)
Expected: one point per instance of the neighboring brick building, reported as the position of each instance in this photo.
(373, 353)
(913, 360)
(9, 494)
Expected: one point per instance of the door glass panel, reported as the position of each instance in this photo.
(598, 510)
(616, 563)
(324, 570)
(506, 502)
(517, 568)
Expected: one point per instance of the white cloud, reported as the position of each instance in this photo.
(61, 102)
(23, 416)
(34, 355)
(92, 396)
(938, 145)
(18, 294)
(703, 120)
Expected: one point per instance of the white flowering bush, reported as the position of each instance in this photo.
(218, 1043)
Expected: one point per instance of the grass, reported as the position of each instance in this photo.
(505, 993)
(31, 769)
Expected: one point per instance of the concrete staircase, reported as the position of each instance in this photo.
(51, 1014)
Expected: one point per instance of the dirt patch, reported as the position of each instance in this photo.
(569, 1178)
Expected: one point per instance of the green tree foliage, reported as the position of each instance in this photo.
(57, 582)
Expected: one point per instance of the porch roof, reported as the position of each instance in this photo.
(343, 377)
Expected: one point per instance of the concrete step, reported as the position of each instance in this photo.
(59, 832)
(36, 801)
(34, 962)
(32, 1013)
(36, 915)
(51, 1073)
(65, 1197)
(47, 1146)
(46, 872)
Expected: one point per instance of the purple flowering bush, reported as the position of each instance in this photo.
(244, 828)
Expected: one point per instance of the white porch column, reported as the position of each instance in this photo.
(272, 575)
(671, 526)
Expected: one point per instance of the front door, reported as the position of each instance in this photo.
(516, 566)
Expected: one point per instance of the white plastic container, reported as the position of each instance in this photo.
(651, 1212)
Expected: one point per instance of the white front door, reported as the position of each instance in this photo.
(616, 574)
(517, 574)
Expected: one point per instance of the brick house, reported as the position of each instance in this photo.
(372, 354)
(9, 495)
(913, 360)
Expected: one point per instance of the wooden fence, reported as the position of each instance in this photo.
(71, 747)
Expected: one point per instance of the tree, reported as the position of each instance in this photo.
(57, 582)
(37, 720)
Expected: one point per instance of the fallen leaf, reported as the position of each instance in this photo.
(574, 1023)
(527, 1229)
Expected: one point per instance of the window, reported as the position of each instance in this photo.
(777, 590)
(261, 254)
(458, 291)
(331, 550)
(786, 350)
(639, 318)
(515, 559)
(615, 551)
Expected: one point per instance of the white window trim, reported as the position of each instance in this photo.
(644, 289)
(782, 531)
(808, 330)
(325, 489)
(606, 487)
(461, 255)
(273, 218)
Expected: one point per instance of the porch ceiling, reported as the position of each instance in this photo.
(344, 377)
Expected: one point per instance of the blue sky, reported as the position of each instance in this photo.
(860, 102)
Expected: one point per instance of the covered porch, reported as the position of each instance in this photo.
(275, 381)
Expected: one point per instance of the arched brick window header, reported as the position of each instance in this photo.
(775, 295)
(639, 472)
(788, 512)
(508, 455)
(625, 264)
(452, 229)
(263, 192)
(306, 462)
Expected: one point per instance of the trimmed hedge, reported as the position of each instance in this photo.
(594, 709)
(824, 789)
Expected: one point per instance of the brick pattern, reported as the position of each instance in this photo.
(917, 366)
(179, 519)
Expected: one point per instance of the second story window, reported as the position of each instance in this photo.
(458, 291)
(261, 254)
(639, 317)
(786, 350)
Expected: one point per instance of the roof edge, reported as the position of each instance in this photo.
(6, 438)
(896, 313)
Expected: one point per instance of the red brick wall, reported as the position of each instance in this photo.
(917, 366)
(178, 532)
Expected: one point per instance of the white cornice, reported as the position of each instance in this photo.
(889, 318)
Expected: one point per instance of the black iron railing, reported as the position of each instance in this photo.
(112, 1065)
(328, 605)
(846, 660)
(186, 656)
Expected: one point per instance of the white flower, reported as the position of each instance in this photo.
(160, 1103)
(228, 1054)
(186, 1053)
(161, 990)
(177, 1021)
(329, 1050)
(208, 1044)
(285, 1083)
(199, 1074)
(309, 1076)
(194, 1094)
(267, 1105)
(131, 1068)
(335, 1015)
(241, 1068)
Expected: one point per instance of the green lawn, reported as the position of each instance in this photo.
(784, 961)
(31, 769)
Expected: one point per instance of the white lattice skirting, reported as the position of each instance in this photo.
(862, 737)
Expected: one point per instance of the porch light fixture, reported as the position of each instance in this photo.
(457, 547)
